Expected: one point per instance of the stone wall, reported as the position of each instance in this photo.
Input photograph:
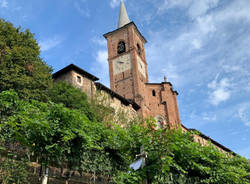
(120, 108)
(60, 176)
(204, 140)
(107, 97)
(78, 81)
(66, 77)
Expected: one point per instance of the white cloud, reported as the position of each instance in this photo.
(196, 43)
(175, 55)
(206, 24)
(114, 3)
(208, 116)
(204, 46)
(3, 3)
(156, 53)
(100, 66)
(167, 4)
(220, 91)
(99, 41)
(172, 49)
(194, 8)
(219, 95)
(235, 68)
(198, 8)
(50, 43)
(237, 10)
(101, 57)
(82, 8)
(244, 113)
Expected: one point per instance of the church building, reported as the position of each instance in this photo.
(130, 89)
(128, 73)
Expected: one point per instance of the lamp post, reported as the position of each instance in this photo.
(141, 162)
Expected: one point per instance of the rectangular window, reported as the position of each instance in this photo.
(79, 79)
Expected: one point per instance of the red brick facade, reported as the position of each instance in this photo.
(156, 99)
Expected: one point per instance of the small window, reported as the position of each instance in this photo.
(138, 49)
(153, 92)
(79, 79)
(121, 48)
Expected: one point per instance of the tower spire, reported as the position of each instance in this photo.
(123, 19)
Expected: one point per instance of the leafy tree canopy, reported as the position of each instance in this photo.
(71, 97)
(22, 68)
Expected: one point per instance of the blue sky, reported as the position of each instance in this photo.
(201, 46)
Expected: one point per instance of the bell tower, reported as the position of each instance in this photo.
(129, 74)
(127, 60)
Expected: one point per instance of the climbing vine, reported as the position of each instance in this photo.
(61, 136)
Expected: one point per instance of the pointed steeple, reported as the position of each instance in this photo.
(123, 19)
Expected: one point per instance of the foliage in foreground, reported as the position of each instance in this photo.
(60, 135)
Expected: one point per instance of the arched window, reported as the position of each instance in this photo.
(138, 49)
(153, 92)
(160, 121)
(121, 47)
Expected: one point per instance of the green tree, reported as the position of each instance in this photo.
(71, 97)
(22, 69)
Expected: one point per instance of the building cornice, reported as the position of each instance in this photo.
(125, 26)
(169, 83)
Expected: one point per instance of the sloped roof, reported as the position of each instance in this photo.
(212, 141)
(77, 69)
